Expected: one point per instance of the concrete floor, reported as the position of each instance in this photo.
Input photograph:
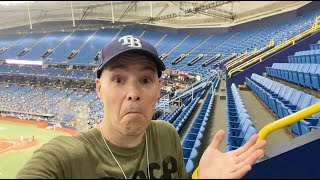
(261, 115)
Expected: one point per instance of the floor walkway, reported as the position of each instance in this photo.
(216, 121)
(261, 115)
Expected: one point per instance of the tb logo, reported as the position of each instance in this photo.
(130, 41)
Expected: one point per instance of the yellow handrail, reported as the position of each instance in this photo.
(259, 58)
(230, 64)
(297, 116)
(240, 56)
(195, 173)
(292, 41)
(236, 61)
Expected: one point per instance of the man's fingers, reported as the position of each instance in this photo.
(254, 157)
(241, 172)
(250, 160)
(247, 145)
(217, 139)
(251, 150)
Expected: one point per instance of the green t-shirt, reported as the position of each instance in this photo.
(85, 155)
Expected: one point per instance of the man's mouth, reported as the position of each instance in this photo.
(132, 112)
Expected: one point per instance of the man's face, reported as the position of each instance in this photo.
(129, 88)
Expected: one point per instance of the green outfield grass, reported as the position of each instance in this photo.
(12, 161)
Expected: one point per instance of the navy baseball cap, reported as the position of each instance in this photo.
(129, 43)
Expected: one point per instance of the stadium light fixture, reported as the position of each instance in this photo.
(26, 62)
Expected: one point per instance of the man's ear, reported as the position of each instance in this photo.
(98, 87)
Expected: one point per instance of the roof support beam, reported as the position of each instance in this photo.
(131, 5)
(201, 9)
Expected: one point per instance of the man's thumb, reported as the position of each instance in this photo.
(217, 139)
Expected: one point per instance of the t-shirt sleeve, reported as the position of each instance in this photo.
(48, 162)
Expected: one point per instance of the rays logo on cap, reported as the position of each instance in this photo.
(130, 41)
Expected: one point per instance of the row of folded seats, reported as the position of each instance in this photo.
(284, 101)
(315, 46)
(308, 56)
(163, 116)
(180, 115)
(192, 140)
(306, 75)
(184, 116)
(240, 127)
(172, 116)
(186, 100)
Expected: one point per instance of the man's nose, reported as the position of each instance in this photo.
(134, 98)
(134, 93)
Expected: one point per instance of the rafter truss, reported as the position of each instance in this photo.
(205, 9)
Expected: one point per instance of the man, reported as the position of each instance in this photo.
(127, 144)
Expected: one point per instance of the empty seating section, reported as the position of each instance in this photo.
(309, 56)
(250, 42)
(226, 48)
(306, 75)
(7, 41)
(303, 69)
(284, 100)
(315, 46)
(191, 42)
(163, 116)
(283, 31)
(239, 124)
(130, 30)
(25, 42)
(176, 116)
(152, 37)
(180, 115)
(225, 44)
(48, 42)
(168, 43)
(212, 42)
(293, 27)
(180, 121)
(73, 42)
(93, 46)
(192, 140)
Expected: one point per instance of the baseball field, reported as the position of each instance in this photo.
(19, 139)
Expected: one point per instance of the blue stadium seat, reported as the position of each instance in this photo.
(307, 75)
(315, 77)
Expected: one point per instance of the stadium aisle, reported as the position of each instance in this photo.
(261, 116)
(217, 120)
